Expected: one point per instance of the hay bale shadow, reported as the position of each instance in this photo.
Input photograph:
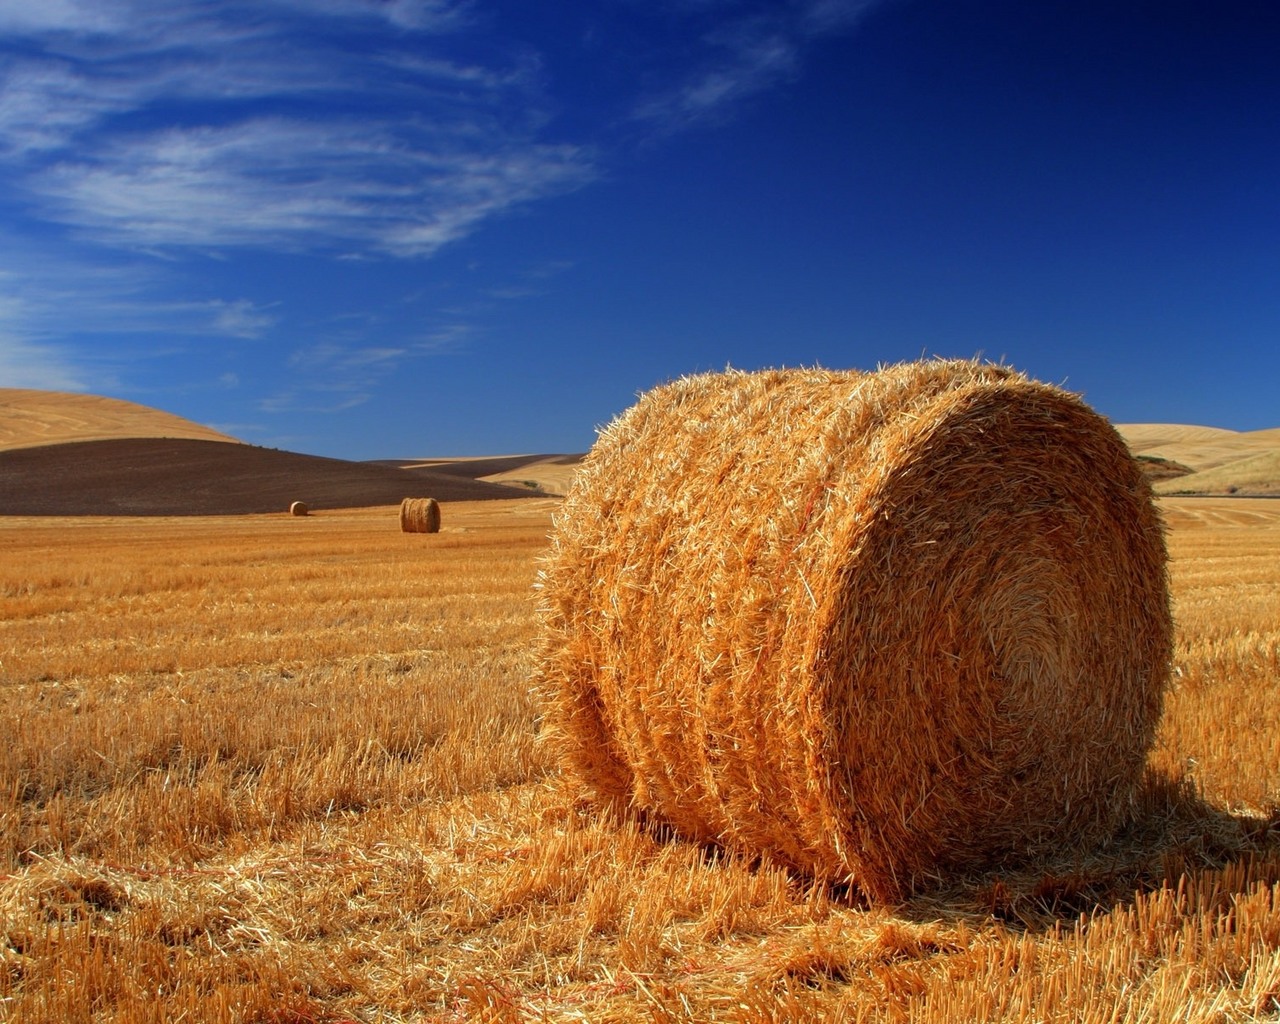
(1172, 834)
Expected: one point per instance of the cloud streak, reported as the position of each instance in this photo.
(347, 127)
(334, 376)
(747, 52)
(56, 311)
(149, 20)
(197, 127)
(287, 185)
(28, 364)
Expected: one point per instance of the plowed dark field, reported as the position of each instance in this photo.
(169, 476)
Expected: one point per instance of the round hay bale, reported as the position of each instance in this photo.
(420, 515)
(298, 508)
(882, 627)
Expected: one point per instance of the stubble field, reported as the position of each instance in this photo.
(285, 770)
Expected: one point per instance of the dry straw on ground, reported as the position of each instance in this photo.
(420, 515)
(881, 627)
(299, 508)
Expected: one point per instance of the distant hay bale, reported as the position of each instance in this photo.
(420, 515)
(884, 628)
(299, 508)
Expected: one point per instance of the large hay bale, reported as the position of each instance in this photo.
(881, 627)
(420, 515)
(298, 508)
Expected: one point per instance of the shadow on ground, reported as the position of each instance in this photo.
(1173, 834)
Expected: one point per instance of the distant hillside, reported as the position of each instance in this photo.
(1255, 475)
(179, 476)
(29, 418)
(1182, 459)
(1177, 459)
(542, 474)
(72, 454)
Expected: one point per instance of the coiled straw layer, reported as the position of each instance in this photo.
(881, 627)
(420, 515)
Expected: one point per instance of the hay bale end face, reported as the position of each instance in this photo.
(420, 515)
(882, 627)
(299, 508)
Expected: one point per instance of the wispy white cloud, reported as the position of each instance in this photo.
(312, 400)
(753, 65)
(453, 337)
(33, 353)
(148, 18)
(530, 282)
(436, 15)
(44, 103)
(548, 269)
(55, 311)
(335, 375)
(507, 292)
(746, 51)
(819, 17)
(330, 356)
(23, 16)
(345, 371)
(28, 364)
(240, 318)
(224, 124)
(344, 127)
(297, 186)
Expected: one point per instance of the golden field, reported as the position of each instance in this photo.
(275, 769)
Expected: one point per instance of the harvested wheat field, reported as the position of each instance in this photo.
(257, 773)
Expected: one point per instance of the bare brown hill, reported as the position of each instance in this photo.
(29, 417)
(183, 476)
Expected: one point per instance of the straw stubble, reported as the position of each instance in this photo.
(880, 627)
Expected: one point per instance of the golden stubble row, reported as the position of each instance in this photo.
(199, 682)
(1221, 711)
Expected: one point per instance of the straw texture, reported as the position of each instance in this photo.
(420, 515)
(880, 627)
(298, 508)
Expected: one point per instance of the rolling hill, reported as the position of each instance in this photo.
(72, 454)
(30, 418)
(544, 474)
(67, 454)
(1217, 461)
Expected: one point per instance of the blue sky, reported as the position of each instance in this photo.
(382, 228)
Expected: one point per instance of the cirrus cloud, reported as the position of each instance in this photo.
(170, 126)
